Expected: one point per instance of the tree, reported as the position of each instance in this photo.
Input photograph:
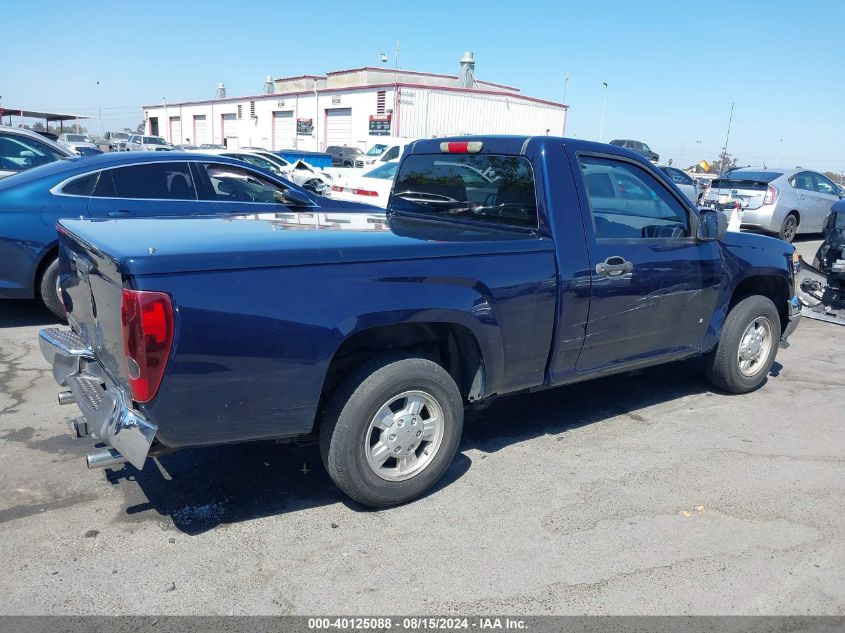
(141, 128)
(724, 163)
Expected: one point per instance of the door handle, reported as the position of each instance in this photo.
(118, 214)
(614, 266)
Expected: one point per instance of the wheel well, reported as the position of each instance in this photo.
(771, 286)
(796, 214)
(49, 256)
(451, 346)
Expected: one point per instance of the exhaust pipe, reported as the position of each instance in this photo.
(105, 458)
(66, 397)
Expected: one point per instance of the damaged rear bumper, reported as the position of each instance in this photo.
(109, 415)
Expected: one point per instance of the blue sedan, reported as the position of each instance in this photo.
(116, 185)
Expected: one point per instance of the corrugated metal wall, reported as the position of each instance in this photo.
(426, 113)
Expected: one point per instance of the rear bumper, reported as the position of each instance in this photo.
(794, 317)
(108, 412)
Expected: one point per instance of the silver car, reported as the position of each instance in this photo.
(145, 143)
(21, 150)
(782, 201)
(683, 181)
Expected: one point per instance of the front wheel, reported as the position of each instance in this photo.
(391, 429)
(747, 347)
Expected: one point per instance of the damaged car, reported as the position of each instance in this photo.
(821, 287)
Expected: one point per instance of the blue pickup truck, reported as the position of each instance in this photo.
(503, 265)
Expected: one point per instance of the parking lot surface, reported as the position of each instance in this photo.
(649, 493)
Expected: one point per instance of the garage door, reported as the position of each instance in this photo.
(200, 130)
(176, 130)
(230, 131)
(338, 126)
(284, 130)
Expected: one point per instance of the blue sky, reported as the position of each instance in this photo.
(672, 68)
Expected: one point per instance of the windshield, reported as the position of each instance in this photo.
(377, 150)
(488, 188)
(77, 138)
(120, 135)
(154, 140)
(385, 172)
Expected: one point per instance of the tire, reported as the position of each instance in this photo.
(47, 290)
(348, 434)
(789, 228)
(724, 364)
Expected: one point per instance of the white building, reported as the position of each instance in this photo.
(355, 107)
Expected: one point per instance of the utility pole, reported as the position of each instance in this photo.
(99, 110)
(777, 162)
(727, 138)
(603, 108)
(566, 110)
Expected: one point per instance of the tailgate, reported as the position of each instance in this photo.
(726, 192)
(92, 290)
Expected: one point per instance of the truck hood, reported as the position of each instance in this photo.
(148, 246)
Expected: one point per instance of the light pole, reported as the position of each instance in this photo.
(603, 108)
(164, 125)
(777, 162)
(566, 110)
(99, 111)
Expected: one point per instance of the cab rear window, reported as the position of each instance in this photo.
(483, 188)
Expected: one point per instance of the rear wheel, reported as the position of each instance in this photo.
(789, 228)
(391, 430)
(48, 290)
(747, 346)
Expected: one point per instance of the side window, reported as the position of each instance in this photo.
(628, 202)
(679, 177)
(392, 154)
(825, 186)
(235, 184)
(802, 180)
(81, 186)
(18, 153)
(160, 181)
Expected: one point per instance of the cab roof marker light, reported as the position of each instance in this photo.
(461, 147)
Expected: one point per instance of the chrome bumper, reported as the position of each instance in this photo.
(108, 413)
(794, 312)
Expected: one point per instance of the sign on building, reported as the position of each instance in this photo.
(304, 127)
(379, 125)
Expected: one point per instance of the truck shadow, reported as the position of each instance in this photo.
(22, 312)
(200, 489)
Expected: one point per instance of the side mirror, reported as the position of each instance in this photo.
(712, 225)
(293, 198)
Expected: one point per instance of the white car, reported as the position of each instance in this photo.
(21, 150)
(683, 181)
(299, 172)
(74, 141)
(383, 151)
(373, 187)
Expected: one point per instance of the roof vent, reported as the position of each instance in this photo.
(221, 91)
(269, 88)
(466, 78)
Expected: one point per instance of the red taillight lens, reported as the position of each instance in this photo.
(771, 195)
(364, 192)
(461, 147)
(147, 319)
(336, 188)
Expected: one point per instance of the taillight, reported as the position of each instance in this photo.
(336, 188)
(461, 147)
(147, 319)
(771, 195)
(364, 192)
